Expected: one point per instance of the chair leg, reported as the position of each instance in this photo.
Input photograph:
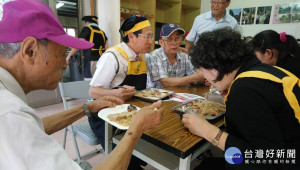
(65, 137)
(91, 153)
(75, 143)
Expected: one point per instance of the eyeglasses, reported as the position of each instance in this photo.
(176, 40)
(147, 36)
(217, 3)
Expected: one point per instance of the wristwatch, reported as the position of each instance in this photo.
(215, 141)
(86, 110)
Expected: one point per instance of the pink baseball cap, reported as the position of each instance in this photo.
(24, 18)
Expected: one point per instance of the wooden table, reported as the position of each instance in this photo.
(170, 136)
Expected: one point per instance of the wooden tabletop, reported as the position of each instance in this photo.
(171, 135)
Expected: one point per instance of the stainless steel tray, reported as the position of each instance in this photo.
(186, 108)
(149, 94)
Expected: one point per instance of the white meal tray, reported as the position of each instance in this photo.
(112, 110)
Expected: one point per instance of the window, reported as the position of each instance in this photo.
(2, 2)
(70, 31)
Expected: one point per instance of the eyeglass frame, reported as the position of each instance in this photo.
(147, 36)
(218, 3)
(173, 40)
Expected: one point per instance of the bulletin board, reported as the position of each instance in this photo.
(254, 16)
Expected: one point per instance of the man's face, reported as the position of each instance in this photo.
(52, 64)
(171, 44)
(218, 7)
(142, 43)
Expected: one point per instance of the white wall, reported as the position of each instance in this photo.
(108, 13)
(251, 30)
(86, 7)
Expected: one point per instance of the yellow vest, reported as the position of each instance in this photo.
(93, 31)
(134, 67)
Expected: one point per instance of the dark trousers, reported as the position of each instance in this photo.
(87, 64)
(98, 127)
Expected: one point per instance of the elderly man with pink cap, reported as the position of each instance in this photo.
(32, 48)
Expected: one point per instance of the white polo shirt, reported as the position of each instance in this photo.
(23, 142)
(106, 75)
(206, 22)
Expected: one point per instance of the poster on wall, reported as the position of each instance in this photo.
(248, 16)
(236, 13)
(286, 13)
(296, 13)
(263, 15)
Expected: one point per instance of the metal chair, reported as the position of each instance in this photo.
(77, 90)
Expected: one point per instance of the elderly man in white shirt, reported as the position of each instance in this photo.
(124, 65)
(32, 48)
(122, 69)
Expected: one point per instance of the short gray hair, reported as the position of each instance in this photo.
(8, 50)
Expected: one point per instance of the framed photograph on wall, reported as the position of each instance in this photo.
(236, 13)
(248, 16)
(282, 13)
(296, 12)
(263, 15)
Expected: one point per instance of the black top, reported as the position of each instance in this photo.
(258, 116)
(292, 64)
(98, 41)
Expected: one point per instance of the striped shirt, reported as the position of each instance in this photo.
(159, 67)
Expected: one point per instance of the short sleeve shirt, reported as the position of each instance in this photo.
(111, 71)
(206, 22)
(159, 66)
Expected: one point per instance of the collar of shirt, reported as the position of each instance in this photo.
(226, 18)
(11, 84)
(165, 57)
(130, 53)
(93, 24)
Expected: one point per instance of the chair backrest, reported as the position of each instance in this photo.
(75, 89)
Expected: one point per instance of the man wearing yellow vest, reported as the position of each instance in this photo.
(262, 105)
(122, 69)
(92, 33)
(124, 65)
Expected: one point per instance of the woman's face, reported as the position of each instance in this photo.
(222, 85)
(267, 57)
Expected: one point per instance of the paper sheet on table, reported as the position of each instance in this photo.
(184, 97)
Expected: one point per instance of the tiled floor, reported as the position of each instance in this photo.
(83, 147)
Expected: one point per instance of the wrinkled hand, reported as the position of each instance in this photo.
(198, 76)
(125, 92)
(147, 118)
(103, 102)
(197, 125)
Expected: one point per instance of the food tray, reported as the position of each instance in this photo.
(188, 108)
(149, 94)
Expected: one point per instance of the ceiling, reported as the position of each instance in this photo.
(68, 8)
